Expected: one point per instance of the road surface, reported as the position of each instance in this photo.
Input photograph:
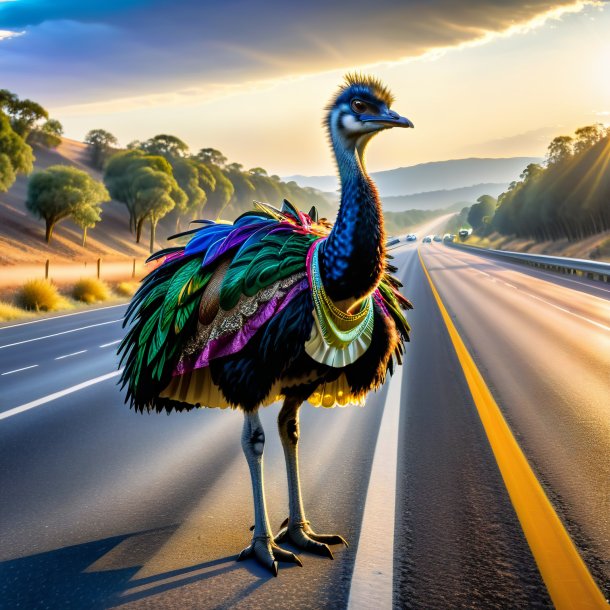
(101, 507)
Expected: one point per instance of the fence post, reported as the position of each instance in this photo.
(46, 269)
(99, 267)
(133, 269)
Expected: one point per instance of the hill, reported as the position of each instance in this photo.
(436, 200)
(22, 235)
(435, 176)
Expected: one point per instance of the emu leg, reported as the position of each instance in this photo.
(297, 529)
(262, 547)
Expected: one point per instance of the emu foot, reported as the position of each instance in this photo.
(268, 554)
(303, 537)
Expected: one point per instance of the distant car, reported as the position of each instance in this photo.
(411, 237)
(437, 238)
(427, 239)
(463, 233)
(391, 241)
(448, 237)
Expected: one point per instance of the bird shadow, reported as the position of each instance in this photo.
(68, 577)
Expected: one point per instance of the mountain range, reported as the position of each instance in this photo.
(437, 176)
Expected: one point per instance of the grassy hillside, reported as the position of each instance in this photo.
(22, 235)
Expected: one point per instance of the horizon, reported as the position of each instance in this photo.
(453, 69)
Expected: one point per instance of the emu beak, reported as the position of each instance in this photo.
(388, 119)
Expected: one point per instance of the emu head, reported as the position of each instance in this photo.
(359, 110)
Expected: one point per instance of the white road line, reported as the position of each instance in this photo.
(45, 399)
(72, 354)
(65, 332)
(111, 343)
(25, 368)
(373, 574)
(598, 324)
(65, 315)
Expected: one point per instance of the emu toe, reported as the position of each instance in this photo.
(303, 537)
(268, 554)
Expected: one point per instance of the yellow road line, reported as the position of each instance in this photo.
(565, 574)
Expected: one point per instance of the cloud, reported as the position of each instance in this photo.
(532, 142)
(81, 52)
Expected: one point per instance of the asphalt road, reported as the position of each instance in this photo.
(101, 507)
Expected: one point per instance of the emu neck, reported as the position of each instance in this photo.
(353, 255)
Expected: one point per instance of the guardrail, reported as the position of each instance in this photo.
(572, 266)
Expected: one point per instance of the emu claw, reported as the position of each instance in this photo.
(268, 554)
(303, 537)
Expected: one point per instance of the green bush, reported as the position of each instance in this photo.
(40, 295)
(90, 290)
(126, 289)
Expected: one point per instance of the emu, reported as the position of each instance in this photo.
(279, 305)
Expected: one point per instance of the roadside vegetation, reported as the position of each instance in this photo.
(39, 296)
(90, 290)
(566, 199)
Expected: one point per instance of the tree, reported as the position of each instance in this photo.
(258, 171)
(146, 185)
(158, 193)
(561, 148)
(483, 208)
(16, 156)
(587, 136)
(59, 192)
(244, 190)
(24, 116)
(86, 217)
(211, 156)
(49, 135)
(166, 146)
(223, 190)
(196, 180)
(101, 144)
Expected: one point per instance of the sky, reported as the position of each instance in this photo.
(485, 79)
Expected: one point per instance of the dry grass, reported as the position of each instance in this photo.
(10, 312)
(40, 295)
(126, 289)
(90, 290)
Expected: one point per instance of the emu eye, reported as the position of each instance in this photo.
(358, 106)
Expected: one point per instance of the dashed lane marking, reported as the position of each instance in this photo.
(111, 343)
(70, 355)
(64, 332)
(25, 368)
(565, 574)
(45, 399)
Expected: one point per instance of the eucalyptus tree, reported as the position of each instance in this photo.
(165, 145)
(60, 192)
(484, 208)
(16, 155)
(101, 144)
(145, 184)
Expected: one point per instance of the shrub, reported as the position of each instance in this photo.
(90, 290)
(40, 295)
(126, 289)
(10, 312)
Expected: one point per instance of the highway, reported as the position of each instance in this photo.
(101, 507)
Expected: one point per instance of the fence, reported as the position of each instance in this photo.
(109, 270)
